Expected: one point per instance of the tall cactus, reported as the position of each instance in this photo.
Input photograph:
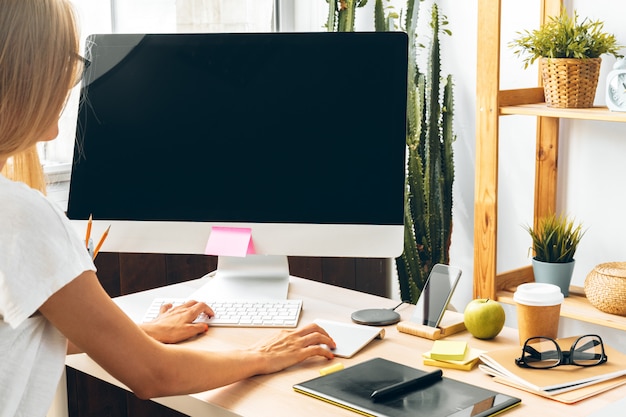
(430, 173)
(430, 164)
(341, 14)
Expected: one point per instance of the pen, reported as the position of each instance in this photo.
(88, 235)
(406, 386)
(104, 236)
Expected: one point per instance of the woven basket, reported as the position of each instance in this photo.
(570, 82)
(605, 287)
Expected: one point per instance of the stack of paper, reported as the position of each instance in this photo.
(452, 354)
(567, 383)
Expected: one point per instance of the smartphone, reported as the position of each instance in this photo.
(437, 292)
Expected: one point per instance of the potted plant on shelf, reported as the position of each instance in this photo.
(554, 243)
(569, 57)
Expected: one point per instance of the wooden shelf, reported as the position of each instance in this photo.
(540, 109)
(492, 103)
(577, 307)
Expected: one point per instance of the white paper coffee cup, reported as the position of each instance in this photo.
(538, 310)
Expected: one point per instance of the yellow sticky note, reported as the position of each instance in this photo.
(448, 350)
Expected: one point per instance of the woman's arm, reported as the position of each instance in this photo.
(173, 325)
(88, 317)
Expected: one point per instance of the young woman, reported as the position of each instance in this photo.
(49, 292)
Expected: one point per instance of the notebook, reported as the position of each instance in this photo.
(573, 396)
(350, 338)
(351, 388)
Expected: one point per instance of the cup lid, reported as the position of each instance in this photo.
(538, 294)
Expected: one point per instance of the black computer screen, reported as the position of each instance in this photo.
(275, 127)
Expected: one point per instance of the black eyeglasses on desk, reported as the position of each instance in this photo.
(544, 353)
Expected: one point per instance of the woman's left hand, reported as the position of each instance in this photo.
(175, 324)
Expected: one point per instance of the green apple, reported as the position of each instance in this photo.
(484, 318)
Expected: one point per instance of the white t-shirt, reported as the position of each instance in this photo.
(39, 254)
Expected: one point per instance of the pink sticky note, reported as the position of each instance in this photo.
(230, 241)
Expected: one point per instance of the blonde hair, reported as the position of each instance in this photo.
(26, 167)
(39, 64)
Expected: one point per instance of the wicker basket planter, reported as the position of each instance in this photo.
(605, 287)
(570, 82)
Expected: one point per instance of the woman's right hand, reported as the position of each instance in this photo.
(289, 347)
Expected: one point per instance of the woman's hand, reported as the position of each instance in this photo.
(289, 347)
(175, 324)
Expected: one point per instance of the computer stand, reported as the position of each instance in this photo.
(250, 277)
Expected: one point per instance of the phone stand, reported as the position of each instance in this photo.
(451, 323)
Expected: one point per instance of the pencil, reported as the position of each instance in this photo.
(88, 235)
(104, 236)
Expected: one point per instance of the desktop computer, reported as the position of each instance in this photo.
(299, 137)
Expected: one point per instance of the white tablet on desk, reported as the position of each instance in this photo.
(350, 338)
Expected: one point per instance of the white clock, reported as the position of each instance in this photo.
(616, 87)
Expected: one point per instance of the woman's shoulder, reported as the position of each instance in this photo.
(23, 205)
(19, 194)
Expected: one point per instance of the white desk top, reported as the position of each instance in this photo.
(272, 395)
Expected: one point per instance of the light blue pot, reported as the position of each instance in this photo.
(559, 274)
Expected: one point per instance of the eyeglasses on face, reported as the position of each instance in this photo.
(544, 353)
(84, 63)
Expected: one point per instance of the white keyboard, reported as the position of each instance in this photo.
(240, 313)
